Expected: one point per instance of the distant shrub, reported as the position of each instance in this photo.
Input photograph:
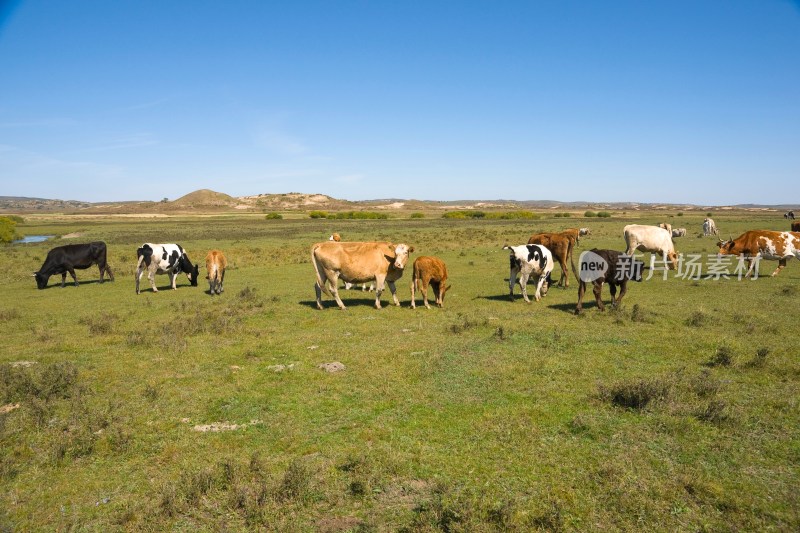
(562, 215)
(464, 214)
(8, 229)
(417, 215)
(723, 357)
(604, 214)
(680, 214)
(590, 214)
(274, 216)
(709, 214)
(513, 215)
(358, 215)
(318, 214)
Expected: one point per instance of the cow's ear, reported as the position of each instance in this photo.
(411, 249)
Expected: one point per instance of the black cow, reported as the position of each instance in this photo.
(789, 215)
(618, 269)
(63, 259)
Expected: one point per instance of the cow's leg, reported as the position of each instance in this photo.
(151, 275)
(598, 295)
(63, 279)
(564, 272)
(751, 263)
(74, 277)
(539, 282)
(581, 291)
(318, 293)
(623, 288)
(393, 289)
(781, 264)
(379, 283)
(523, 282)
(413, 294)
(612, 287)
(221, 286)
(109, 272)
(512, 280)
(139, 272)
(173, 280)
(425, 293)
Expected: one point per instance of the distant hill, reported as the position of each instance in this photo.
(206, 198)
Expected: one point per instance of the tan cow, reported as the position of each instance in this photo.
(216, 263)
(347, 286)
(358, 262)
(433, 271)
(561, 246)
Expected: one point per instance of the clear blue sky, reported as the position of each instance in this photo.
(654, 101)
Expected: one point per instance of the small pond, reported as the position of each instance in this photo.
(33, 238)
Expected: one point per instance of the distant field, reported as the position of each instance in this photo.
(678, 412)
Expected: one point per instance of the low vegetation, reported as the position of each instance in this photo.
(180, 411)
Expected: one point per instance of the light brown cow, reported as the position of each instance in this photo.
(433, 271)
(561, 246)
(347, 286)
(216, 263)
(358, 262)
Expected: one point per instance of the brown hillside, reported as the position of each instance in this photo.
(205, 198)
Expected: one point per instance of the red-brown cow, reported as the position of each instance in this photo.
(763, 244)
(433, 271)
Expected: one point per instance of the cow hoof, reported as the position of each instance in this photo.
(578, 311)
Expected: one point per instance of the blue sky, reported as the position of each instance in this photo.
(658, 101)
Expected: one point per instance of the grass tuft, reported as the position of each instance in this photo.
(636, 394)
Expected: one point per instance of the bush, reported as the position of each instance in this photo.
(680, 214)
(359, 215)
(562, 215)
(318, 214)
(417, 215)
(635, 394)
(8, 229)
(512, 215)
(464, 214)
(590, 214)
(604, 214)
(274, 216)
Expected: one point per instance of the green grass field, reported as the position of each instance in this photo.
(678, 412)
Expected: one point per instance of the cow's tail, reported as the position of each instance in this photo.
(144, 255)
(322, 285)
(572, 257)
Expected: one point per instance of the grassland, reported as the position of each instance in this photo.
(678, 412)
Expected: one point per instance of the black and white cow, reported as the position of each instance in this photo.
(530, 260)
(789, 215)
(67, 258)
(164, 259)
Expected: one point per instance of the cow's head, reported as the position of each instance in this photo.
(672, 257)
(194, 274)
(41, 280)
(727, 247)
(401, 253)
(546, 285)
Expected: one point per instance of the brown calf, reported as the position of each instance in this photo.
(433, 271)
(216, 263)
(795, 226)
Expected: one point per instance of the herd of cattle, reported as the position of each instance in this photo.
(383, 263)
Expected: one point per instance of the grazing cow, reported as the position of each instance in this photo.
(347, 286)
(795, 226)
(789, 215)
(763, 244)
(679, 232)
(709, 228)
(618, 268)
(216, 263)
(666, 226)
(433, 271)
(67, 258)
(650, 239)
(358, 262)
(527, 260)
(164, 259)
(584, 231)
(560, 245)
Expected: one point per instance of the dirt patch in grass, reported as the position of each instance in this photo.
(223, 426)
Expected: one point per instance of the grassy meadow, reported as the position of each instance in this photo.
(677, 412)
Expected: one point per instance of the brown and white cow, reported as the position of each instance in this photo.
(429, 270)
(358, 262)
(650, 239)
(561, 246)
(584, 231)
(763, 244)
(216, 263)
